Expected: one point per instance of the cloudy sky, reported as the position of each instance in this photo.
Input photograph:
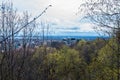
(61, 16)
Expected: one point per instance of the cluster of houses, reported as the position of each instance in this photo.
(34, 43)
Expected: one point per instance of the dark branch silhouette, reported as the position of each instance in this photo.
(44, 11)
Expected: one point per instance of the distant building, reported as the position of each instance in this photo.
(69, 41)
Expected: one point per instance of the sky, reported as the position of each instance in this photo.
(61, 17)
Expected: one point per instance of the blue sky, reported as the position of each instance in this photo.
(61, 17)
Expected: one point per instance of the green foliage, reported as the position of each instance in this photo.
(88, 60)
(66, 64)
(89, 49)
(108, 54)
(104, 66)
(81, 43)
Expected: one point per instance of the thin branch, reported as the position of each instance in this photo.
(44, 11)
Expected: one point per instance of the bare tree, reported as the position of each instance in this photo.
(105, 14)
(9, 23)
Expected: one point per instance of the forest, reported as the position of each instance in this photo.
(97, 59)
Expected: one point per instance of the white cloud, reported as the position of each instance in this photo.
(87, 27)
(62, 15)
